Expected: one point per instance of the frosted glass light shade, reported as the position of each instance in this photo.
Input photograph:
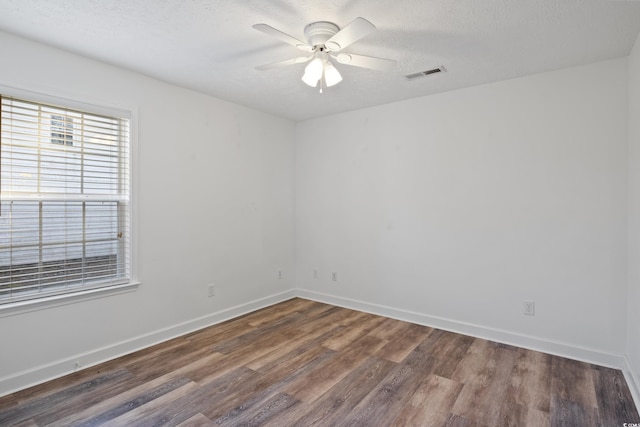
(331, 74)
(313, 72)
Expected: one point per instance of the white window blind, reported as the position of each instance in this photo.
(64, 196)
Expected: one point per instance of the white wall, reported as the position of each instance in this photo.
(453, 209)
(215, 204)
(633, 300)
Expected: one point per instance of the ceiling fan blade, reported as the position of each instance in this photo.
(267, 29)
(298, 60)
(366, 61)
(355, 30)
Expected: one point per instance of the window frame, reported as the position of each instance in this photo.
(100, 108)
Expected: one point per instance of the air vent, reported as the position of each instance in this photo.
(425, 73)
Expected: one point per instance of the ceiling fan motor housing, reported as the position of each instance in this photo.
(317, 33)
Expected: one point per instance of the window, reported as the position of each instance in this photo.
(64, 200)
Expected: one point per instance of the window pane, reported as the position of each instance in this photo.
(20, 225)
(60, 170)
(62, 223)
(19, 168)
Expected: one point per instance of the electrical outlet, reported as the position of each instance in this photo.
(315, 274)
(280, 274)
(529, 308)
(212, 290)
(334, 276)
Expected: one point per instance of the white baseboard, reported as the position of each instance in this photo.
(479, 331)
(40, 374)
(633, 381)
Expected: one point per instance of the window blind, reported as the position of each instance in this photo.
(64, 200)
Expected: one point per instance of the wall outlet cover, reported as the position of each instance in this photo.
(529, 308)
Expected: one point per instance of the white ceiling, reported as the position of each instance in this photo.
(209, 45)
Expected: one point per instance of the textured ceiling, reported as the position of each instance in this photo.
(209, 45)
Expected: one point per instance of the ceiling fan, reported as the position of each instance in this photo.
(325, 41)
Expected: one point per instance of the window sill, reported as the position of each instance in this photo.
(22, 307)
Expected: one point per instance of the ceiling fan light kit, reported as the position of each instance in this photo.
(324, 40)
(321, 69)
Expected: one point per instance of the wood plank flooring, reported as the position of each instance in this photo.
(303, 363)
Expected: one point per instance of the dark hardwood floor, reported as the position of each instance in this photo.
(303, 363)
